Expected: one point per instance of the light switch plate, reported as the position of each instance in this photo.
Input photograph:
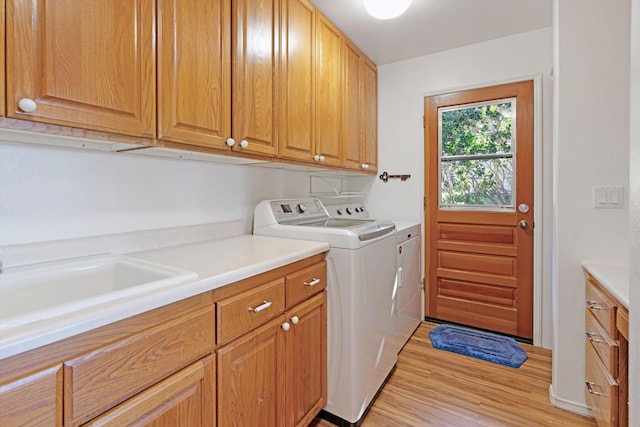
(608, 197)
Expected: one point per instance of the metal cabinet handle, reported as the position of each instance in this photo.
(594, 305)
(313, 282)
(590, 390)
(591, 336)
(261, 307)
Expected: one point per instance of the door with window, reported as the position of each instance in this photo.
(479, 208)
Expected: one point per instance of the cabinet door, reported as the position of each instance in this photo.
(370, 106)
(297, 101)
(194, 72)
(256, 28)
(328, 92)
(352, 113)
(185, 399)
(306, 344)
(85, 63)
(250, 379)
(35, 400)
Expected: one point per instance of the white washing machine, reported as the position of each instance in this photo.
(361, 273)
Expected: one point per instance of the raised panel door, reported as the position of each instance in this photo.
(370, 119)
(194, 72)
(306, 352)
(328, 92)
(187, 398)
(250, 379)
(352, 108)
(297, 102)
(85, 63)
(256, 28)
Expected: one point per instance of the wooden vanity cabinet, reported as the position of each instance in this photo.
(606, 355)
(87, 64)
(274, 373)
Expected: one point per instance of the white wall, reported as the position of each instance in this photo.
(51, 193)
(634, 276)
(591, 148)
(402, 87)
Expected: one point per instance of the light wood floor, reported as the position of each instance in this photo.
(433, 387)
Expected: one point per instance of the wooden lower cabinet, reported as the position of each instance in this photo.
(187, 398)
(179, 366)
(33, 400)
(276, 375)
(606, 356)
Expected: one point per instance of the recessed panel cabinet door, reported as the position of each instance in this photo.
(370, 106)
(297, 104)
(328, 92)
(82, 63)
(256, 28)
(194, 72)
(352, 148)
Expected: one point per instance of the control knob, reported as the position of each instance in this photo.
(339, 211)
(349, 211)
(301, 208)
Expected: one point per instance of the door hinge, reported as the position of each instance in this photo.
(423, 122)
(422, 284)
(424, 203)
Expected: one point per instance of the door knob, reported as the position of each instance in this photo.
(524, 224)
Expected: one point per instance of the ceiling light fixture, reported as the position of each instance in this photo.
(386, 9)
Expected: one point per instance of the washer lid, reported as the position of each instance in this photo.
(365, 229)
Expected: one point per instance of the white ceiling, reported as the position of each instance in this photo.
(430, 26)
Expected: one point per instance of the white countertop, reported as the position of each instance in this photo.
(613, 277)
(217, 263)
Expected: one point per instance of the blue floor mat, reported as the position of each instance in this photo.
(481, 345)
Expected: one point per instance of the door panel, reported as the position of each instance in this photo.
(479, 254)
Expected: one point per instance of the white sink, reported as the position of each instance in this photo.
(40, 292)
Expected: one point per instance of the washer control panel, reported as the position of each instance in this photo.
(298, 209)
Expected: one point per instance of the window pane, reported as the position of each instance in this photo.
(480, 129)
(483, 183)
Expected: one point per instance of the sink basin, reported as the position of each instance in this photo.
(39, 292)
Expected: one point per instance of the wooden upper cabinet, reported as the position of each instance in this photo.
(328, 92)
(297, 103)
(370, 120)
(256, 29)
(352, 152)
(194, 72)
(82, 63)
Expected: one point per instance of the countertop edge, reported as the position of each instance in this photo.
(613, 277)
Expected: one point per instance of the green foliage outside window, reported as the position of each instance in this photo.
(477, 156)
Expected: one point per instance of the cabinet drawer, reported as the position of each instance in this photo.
(305, 283)
(602, 307)
(601, 390)
(33, 400)
(99, 380)
(602, 343)
(242, 312)
(622, 323)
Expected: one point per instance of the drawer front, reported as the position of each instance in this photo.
(602, 307)
(99, 380)
(247, 310)
(622, 323)
(601, 390)
(602, 343)
(305, 283)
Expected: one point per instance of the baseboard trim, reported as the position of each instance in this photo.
(568, 405)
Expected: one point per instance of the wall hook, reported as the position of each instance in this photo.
(385, 177)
